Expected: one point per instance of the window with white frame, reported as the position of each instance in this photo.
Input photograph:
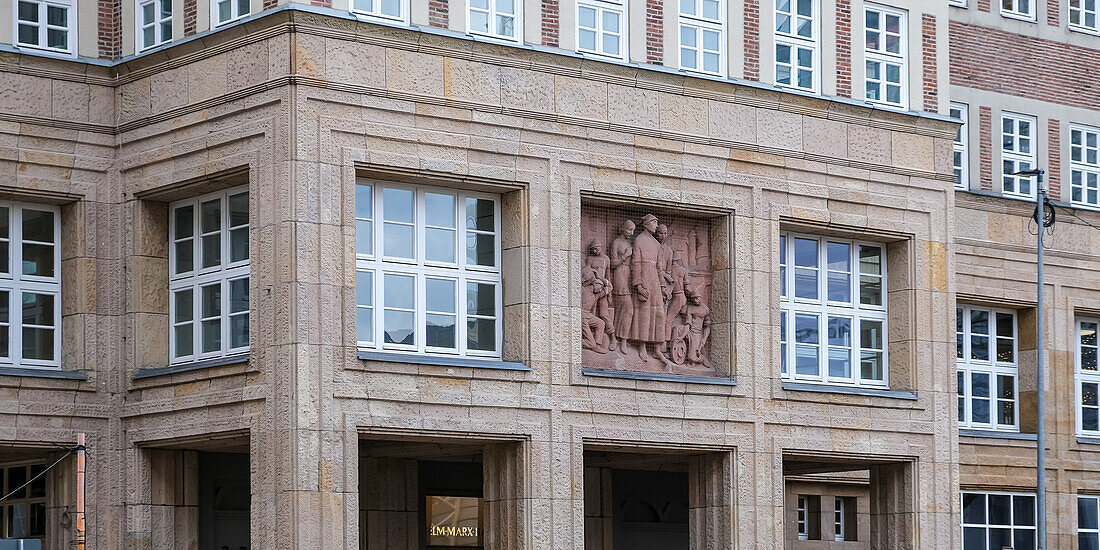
(960, 158)
(885, 53)
(154, 20)
(209, 265)
(30, 285)
(427, 267)
(957, 3)
(987, 374)
(1018, 9)
(1088, 522)
(992, 521)
(802, 518)
(702, 36)
(1017, 154)
(1082, 16)
(495, 18)
(46, 24)
(796, 37)
(838, 519)
(834, 301)
(1084, 166)
(600, 28)
(23, 513)
(391, 10)
(1088, 378)
(226, 11)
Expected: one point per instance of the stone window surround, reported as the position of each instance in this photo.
(513, 212)
(884, 57)
(994, 369)
(722, 302)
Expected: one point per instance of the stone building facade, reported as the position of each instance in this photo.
(236, 234)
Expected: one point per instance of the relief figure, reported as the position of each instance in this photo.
(647, 325)
(600, 265)
(621, 251)
(593, 329)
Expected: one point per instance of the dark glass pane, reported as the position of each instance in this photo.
(1000, 538)
(238, 209)
(974, 538)
(1000, 510)
(17, 476)
(1005, 325)
(38, 260)
(1088, 541)
(481, 299)
(979, 411)
(838, 256)
(979, 322)
(805, 252)
(28, 11)
(1023, 539)
(184, 222)
(1090, 419)
(440, 330)
(211, 216)
(1023, 510)
(238, 295)
(479, 215)
(364, 206)
(37, 489)
(37, 225)
(481, 334)
(38, 309)
(185, 256)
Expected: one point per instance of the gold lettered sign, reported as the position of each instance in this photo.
(454, 521)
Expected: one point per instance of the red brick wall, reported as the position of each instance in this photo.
(322, 3)
(268, 4)
(190, 16)
(439, 13)
(110, 29)
(985, 148)
(1053, 18)
(654, 32)
(550, 22)
(982, 58)
(752, 40)
(1054, 158)
(983, 5)
(844, 48)
(929, 87)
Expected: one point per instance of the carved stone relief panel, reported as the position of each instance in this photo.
(646, 286)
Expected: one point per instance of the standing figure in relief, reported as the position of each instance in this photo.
(664, 261)
(621, 251)
(648, 323)
(679, 299)
(600, 265)
(593, 328)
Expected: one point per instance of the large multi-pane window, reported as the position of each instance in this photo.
(46, 24)
(1017, 154)
(154, 20)
(495, 18)
(209, 264)
(992, 521)
(22, 512)
(1084, 162)
(30, 285)
(600, 26)
(960, 158)
(1088, 522)
(796, 37)
(1088, 378)
(833, 310)
(1018, 9)
(225, 11)
(1082, 16)
(391, 10)
(702, 36)
(427, 270)
(986, 356)
(885, 77)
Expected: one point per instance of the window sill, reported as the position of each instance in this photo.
(658, 377)
(186, 367)
(994, 434)
(43, 373)
(443, 361)
(1087, 440)
(871, 392)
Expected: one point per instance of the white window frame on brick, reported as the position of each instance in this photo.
(1088, 521)
(795, 43)
(986, 526)
(374, 263)
(883, 59)
(1079, 15)
(157, 25)
(381, 10)
(235, 12)
(957, 3)
(1084, 166)
(701, 24)
(491, 9)
(603, 12)
(960, 158)
(229, 276)
(19, 284)
(996, 367)
(825, 310)
(1013, 10)
(1087, 376)
(41, 12)
(31, 498)
(1019, 153)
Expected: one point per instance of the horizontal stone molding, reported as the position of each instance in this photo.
(186, 367)
(849, 390)
(43, 373)
(445, 361)
(682, 378)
